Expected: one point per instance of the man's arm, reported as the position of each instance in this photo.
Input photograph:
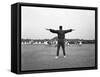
(52, 30)
(70, 30)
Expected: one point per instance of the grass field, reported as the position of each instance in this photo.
(36, 57)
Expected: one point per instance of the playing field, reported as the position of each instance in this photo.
(35, 57)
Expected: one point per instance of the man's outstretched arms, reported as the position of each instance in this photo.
(52, 30)
(70, 30)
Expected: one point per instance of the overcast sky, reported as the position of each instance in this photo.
(36, 19)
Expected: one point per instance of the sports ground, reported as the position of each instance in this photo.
(36, 57)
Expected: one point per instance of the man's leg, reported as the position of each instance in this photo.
(63, 48)
(58, 47)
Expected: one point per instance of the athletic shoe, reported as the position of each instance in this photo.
(64, 56)
(56, 57)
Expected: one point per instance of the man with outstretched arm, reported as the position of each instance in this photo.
(61, 37)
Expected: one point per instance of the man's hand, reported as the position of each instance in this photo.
(73, 29)
(47, 29)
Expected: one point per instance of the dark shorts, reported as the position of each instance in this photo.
(61, 41)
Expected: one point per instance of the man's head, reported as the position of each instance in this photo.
(60, 27)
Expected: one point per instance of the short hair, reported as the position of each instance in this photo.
(60, 27)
